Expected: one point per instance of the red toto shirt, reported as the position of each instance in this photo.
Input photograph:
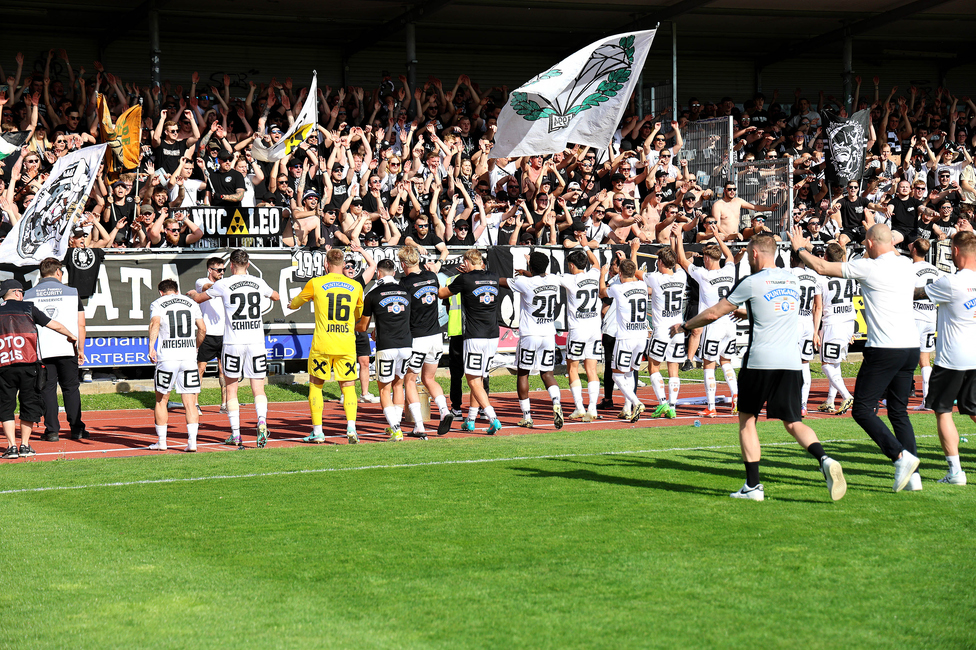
(18, 333)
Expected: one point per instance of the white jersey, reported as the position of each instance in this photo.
(213, 311)
(667, 298)
(630, 299)
(610, 317)
(539, 303)
(887, 284)
(773, 300)
(178, 316)
(713, 285)
(582, 303)
(242, 297)
(809, 288)
(838, 300)
(925, 274)
(956, 296)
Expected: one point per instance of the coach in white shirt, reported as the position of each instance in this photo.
(891, 352)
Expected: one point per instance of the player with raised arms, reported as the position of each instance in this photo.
(630, 298)
(584, 342)
(177, 324)
(244, 353)
(338, 305)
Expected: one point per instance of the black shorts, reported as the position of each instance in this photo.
(691, 309)
(362, 344)
(856, 235)
(779, 390)
(25, 380)
(210, 348)
(947, 386)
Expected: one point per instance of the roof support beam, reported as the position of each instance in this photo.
(368, 38)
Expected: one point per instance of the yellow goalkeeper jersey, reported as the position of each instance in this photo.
(338, 305)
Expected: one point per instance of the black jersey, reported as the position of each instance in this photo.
(389, 305)
(422, 288)
(905, 217)
(852, 212)
(479, 303)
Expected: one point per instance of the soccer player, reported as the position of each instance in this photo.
(428, 345)
(389, 304)
(837, 296)
(954, 376)
(666, 287)
(244, 353)
(629, 295)
(536, 351)
(925, 313)
(770, 373)
(213, 314)
(338, 307)
(718, 340)
(811, 311)
(176, 322)
(584, 342)
(479, 301)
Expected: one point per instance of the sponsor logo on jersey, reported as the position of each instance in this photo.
(338, 285)
(426, 295)
(395, 304)
(486, 294)
(244, 283)
(781, 293)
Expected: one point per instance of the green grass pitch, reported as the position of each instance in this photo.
(584, 539)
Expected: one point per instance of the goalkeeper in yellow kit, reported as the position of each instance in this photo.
(338, 306)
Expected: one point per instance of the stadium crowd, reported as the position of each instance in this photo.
(400, 165)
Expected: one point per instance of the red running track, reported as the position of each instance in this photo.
(130, 432)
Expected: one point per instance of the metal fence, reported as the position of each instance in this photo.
(708, 150)
(765, 182)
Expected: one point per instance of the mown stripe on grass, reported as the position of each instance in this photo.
(222, 477)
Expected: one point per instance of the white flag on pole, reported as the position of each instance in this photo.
(46, 225)
(305, 122)
(581, 99)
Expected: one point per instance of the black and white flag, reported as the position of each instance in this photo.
(847, 140)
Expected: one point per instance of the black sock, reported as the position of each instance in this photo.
(817, 451)
(752, 474)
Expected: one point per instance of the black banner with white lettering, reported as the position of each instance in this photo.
(238, 222)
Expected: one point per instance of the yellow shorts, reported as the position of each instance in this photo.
(321, 366)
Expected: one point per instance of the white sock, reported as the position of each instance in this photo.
(490, 414)
(926, 373)
(418, 417)
(526, 409)
(674, 385)
(441, 403)
(317, 430)
(729, 372)
(576, 388)
(831, 395)
(235, 423)
(805, 391)
(710, 388)
(593, 388)
(473, 413)
(625, 384)
(399, 414)
(161, 434)
(261, 406)
(832, 370)
(350, 426)
(390, 413)
(657, 383)
(554, 395)
(191, 434)
(954, 465)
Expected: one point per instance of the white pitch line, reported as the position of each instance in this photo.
(397, 466)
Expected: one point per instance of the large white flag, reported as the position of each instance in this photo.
(46, 225)
(581, 99)
(305, 122)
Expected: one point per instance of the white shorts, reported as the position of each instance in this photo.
(391, 363)
(182, 375)
(426, 349)
(806, 339)
(926, 336)
(718, 341)
(627, 354)
(249, 360)
(478, 354)
(536, 354)
(666, 348)
(836, 339)
(580, 349)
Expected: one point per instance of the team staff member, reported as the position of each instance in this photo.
(213, 316)
(954, 376)
(338, 307)
(891, 352)
(19, 365)
(771, 373)
(61, 358)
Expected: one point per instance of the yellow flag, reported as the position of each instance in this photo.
(123, 138)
